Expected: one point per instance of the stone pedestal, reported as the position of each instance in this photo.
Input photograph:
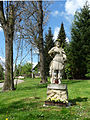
(57, 94)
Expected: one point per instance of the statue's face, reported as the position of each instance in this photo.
(57, 44)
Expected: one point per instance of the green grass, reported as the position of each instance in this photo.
(26, 103)
(1, 81)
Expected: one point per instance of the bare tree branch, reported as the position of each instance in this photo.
(2, 17)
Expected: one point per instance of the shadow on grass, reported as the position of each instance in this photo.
(71, 81)
(22, 105)
(42, 85)
(36, 86)
(39, 86)
(78, 99)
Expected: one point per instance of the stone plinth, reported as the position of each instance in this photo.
(57, 94)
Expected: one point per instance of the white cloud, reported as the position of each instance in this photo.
(2, 61)
(34, 63)
(62, 14)
(69, 18)
(67, 40)
(1, 28)
(36, 51)
(72, 5)
(56, 31)
(55, 13)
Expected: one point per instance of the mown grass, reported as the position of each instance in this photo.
(26, 102)
(1, 81)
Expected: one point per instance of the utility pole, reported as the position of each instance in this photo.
(31, 63)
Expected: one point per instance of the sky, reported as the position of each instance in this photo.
(60, 11)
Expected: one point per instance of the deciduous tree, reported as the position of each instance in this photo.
(8, 14)
(36, 16)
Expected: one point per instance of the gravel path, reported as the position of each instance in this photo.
(15, 81)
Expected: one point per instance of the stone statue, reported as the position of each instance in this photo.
(57, 93)
(57, 64)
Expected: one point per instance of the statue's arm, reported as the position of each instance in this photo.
(64, 55)
(51, 51)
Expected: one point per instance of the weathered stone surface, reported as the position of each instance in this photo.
(57, 86)
(57, 92)
(57, 64)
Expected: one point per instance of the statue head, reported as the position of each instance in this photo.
(57, 43)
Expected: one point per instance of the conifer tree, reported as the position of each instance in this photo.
(80, 44)
(62, 39)
(88, 66)
(62, 36)
(49, 43)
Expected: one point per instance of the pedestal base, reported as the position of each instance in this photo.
(53, 103)
(57, 95)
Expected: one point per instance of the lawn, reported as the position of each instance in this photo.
(26, 102)
(1, 81)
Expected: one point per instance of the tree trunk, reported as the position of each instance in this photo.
(41, 47)
(7, 82)
(11, 61)
(9, 32)
(42, 71)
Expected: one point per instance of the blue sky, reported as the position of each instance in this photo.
(60, 11)
(57, 16)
